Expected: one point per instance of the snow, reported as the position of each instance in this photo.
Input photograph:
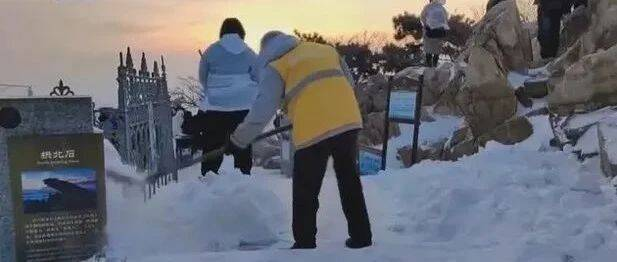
(609, 128)
(516, 79)
(525, 202)
(224, 213)
(589, 142)
(583, 120)
(430, 132)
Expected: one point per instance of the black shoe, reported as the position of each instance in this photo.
(303, 246)
(353, 244)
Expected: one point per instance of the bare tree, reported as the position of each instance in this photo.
(187, 94)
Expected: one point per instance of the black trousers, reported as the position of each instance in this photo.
(215, 127)
(549, 27)
(432, 60)
(309, 169)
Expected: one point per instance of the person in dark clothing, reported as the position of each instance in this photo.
(313, 85)
(229, 86)
(309, 169)
(216, 127)
(492, 3)
(550, 13)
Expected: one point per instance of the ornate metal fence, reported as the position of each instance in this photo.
(144, 136)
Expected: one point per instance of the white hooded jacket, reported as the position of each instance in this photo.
(227, 75)
(434, 15)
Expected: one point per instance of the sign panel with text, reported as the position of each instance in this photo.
(402, 106)
(58, 189)
(369, 161)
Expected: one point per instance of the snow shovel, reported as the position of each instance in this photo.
(219, 152)
(154, 182)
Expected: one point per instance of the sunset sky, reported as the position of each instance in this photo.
(79, 40)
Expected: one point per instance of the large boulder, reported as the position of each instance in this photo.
(372, 94)
(425, 152)
(603, 29)
(364, 100)
(514, 131)
(607, 135)
(502, 34)
(373, 131)
(447, 105)
(407, 79)
(574, 26)
(588, 84)
(460, 144)
(601, 34)
(436, 81)
(486, 100)
(380, 100)
(467, 147)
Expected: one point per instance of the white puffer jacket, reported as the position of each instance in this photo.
(227, 75)
(435, 15)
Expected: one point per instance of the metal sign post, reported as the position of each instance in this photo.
(386, 133)
(417, 122)
(402, 111)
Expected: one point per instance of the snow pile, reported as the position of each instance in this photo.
(508, 203)
(222, 213)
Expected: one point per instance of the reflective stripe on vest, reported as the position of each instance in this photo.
(319, 99)
(319, 75)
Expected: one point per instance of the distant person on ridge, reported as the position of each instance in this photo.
(312, 84)
(434, 19)
(229, 84)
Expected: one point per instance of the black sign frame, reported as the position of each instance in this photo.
(416, 121)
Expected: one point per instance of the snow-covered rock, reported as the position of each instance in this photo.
(588, 84)
(436, 81)
(607, 135)
(601, 35)
(511, 132)
(408, 78)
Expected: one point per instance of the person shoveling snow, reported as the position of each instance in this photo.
(316, 90)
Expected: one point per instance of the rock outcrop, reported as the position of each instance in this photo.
(407, 79)
(511, 132)
(601, 34)
(502, 34)
(485, 99)
(433, 151)
(373, 131)
(372, 96)
(588, 84)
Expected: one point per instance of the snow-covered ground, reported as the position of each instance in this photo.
(507, 203)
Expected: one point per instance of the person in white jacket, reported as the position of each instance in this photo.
(434, 19)
(228, 78)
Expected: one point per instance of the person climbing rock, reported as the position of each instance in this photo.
(312, 84)
(228, 79)
(434, 19)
